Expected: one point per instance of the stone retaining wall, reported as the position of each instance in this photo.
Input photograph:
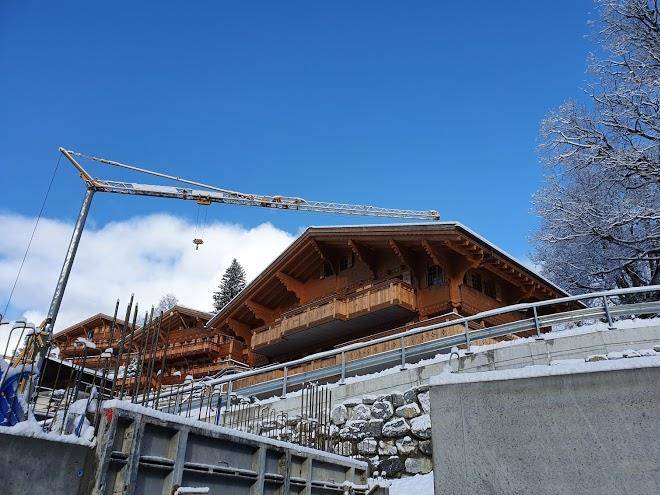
(391, 431)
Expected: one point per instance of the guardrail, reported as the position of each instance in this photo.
(607, 311)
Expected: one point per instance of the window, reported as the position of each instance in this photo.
(434, 276)
(327, 270)
(489, 289)
(475, 282)
(346, 262)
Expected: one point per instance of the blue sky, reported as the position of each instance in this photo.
(422, 105)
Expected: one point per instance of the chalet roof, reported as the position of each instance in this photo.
(385, 231)
(92, 321)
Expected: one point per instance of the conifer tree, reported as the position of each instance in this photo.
(233, 282)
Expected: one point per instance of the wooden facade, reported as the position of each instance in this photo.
(337, 284)
(332, 286)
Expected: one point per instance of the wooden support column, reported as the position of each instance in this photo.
(364, 255)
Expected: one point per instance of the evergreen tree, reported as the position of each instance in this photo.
(233, 282)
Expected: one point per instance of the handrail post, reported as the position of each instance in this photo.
(284, 382)
(342, 380)
(403, 355)
(536, 324)
(467, 338)
(610, 322)
(224, 416)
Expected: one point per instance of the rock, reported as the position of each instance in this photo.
(656, 348)
(418, 465)
(406, 445)
(387, 447)
(361, 412)
(408, 410)
(354, 429)
(421, 426)
(382, 410)
(344, 448)
(391, 466)
(352, 402)
(333, 431)
(384, 398)
(424, 401)
(368, 446)
(339, 414)
(368, 399)
(397, 399)
(397, 427)
(426, 447)
(375, 428)
(411, 394)
(630, 353)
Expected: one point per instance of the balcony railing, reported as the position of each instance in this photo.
(339, 307)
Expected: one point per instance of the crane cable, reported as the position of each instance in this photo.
(34, 230)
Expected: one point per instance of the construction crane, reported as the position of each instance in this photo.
(203, 194)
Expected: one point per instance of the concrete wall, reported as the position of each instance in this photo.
(41, 467)
(554, 347)
(583, 433)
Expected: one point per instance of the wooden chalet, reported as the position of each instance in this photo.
(334, 285)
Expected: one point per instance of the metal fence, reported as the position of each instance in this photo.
(67, 395)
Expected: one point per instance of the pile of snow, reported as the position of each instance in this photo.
(421, 484)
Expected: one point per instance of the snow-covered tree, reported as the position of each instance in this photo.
(600, 205)
(167, 302)
(233, 281)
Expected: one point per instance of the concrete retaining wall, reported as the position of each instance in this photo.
(41, 467)
(581, 433)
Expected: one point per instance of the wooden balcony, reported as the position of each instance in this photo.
(337, 315)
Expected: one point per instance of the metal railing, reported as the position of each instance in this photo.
(606, 311)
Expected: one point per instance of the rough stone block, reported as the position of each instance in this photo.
(382, 410)
(397, 427)
(418, 465)
(421, 426)
(408, 410)
(406, 446)
(361, 412)
(387, 447)
(339, 414)
(391, 466)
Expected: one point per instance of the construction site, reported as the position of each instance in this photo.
(335, 370)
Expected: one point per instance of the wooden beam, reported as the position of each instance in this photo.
(364, 256)
(267, 315)
(292, 285)
(402, 253)
(323, 254)
(240, 329)
(431, 252)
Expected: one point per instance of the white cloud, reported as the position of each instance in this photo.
(148, 256)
